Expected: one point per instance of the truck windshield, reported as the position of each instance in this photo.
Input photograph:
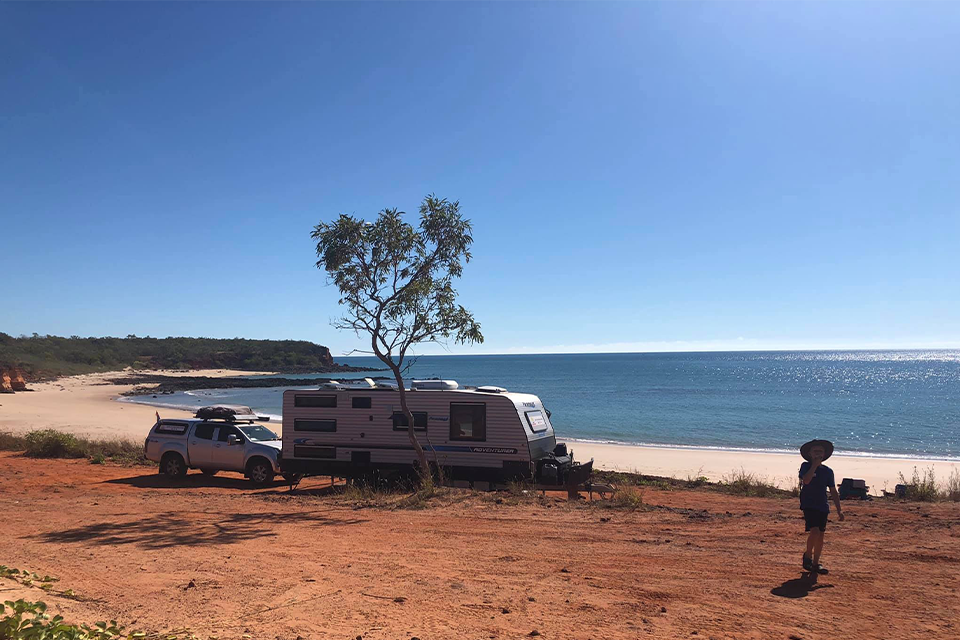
(257, 433)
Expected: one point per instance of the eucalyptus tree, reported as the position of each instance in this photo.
(396, 285)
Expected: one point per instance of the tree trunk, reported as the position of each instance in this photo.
(421, 455)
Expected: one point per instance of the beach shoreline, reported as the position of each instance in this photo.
(88, 405)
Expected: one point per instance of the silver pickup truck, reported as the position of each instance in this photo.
(213, 445)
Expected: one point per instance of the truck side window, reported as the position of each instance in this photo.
(204, 431)
(468, 421)
(226, 432)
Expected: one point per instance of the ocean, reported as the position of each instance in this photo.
(885, 403)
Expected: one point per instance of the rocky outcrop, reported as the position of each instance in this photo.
(12, 380)
(17, 382)
(6, 384)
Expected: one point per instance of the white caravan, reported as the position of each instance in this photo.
(482, 434)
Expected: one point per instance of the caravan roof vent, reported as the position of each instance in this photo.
(434, 385)
(491, 389)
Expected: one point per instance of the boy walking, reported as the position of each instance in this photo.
(816, 478)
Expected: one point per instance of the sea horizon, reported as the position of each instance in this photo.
(885, 403)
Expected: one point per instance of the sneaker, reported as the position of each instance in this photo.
(808, 563)
(822, 570)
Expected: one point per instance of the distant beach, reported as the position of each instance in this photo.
(902, 404)
(88, 405)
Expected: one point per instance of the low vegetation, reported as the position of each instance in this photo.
(50, 443)
(743, 483)
(924, 487)
(40, 357)
(23, 620)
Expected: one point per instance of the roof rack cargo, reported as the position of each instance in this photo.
(230, 413)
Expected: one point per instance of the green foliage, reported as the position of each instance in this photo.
(923, 487)
(50, 443)
(50, 356)
(396, 282)
(23, 620)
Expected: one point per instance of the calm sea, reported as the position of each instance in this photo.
(870, 402)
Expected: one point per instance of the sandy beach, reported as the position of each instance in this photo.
(87, 405)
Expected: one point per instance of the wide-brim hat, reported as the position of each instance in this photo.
(826, 444)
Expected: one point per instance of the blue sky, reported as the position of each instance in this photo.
(646, 176)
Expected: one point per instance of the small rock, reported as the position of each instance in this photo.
(663, 609)
(531, 599)
(564, 570)
(190, 585)
(399, 599)
(504, 610)
(534, 633)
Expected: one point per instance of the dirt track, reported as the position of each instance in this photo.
(221, 560)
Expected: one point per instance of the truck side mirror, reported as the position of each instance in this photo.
(232, 439)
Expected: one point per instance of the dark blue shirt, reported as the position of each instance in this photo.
(814, 495)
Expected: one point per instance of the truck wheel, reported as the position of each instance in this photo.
(260, 472)
(173, 466)
(209, 472)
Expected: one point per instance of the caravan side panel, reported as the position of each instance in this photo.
(352, 431)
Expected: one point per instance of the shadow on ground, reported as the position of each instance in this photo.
(193, 481)
(800, 587)
(190, 529)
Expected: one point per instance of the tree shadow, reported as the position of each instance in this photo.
(800, 587)
(166, 530)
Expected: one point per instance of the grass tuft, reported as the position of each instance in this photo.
(742, 483)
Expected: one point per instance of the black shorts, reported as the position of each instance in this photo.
(815, 518)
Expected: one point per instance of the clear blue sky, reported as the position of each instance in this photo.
(640, 176)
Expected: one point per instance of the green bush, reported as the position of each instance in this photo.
(22, 620)
(50, 443)
(923, 487)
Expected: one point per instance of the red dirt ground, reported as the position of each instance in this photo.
(212, 556)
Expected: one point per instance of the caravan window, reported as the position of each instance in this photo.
(315, 401)
(537, 422)
(468, 421)
(314, 425)
(419, 421)
(362, 402)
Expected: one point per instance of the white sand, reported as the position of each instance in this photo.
(781, 468)
(86, 405)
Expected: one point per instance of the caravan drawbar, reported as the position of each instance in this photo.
(473, 433)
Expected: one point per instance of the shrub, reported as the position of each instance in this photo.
(921, 488)
(629, 498)
(952, 490)
(22, 620)
(50, 443)
(12, 441)
(744, 483)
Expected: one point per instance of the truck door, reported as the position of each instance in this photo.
(201, 445)
(229, 457)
